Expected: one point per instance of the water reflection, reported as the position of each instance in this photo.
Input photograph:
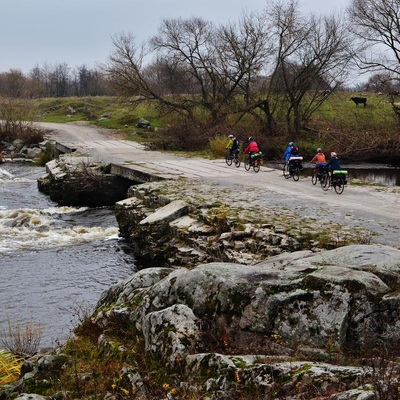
(379, 174)
(389, 177)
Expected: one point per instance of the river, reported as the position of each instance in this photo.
(54, 261)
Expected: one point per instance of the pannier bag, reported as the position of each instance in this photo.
(342, 173)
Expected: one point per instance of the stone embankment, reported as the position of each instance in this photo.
(83, 184)
(183, 223)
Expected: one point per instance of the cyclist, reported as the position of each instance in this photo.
(233, 145)
(333, 163)
(251, 148)
(291, 151)
(319, 160)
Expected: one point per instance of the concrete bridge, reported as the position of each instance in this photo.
(131, 160)
(368, 207)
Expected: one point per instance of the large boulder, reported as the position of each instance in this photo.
(338, 299)
(281, 323)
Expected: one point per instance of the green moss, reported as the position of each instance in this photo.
(137, 300)
(303, 369)
(239, 362)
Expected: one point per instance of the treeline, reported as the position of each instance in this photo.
(54, 81)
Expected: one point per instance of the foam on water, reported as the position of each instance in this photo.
(5, 174)
(33, 229)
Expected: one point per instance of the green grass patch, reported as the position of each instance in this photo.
(337, 125)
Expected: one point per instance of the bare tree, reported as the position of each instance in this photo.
(13, 84)
(219, 68)
(379, 83)
(245, 49)
(312, 60)
(59, 80)
(376, 24)
(212, 64)
(193, 46)
(168, 76)
(127, 73)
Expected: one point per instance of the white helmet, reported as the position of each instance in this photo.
(230, 136)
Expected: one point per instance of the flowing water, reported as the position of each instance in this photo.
(54, 261)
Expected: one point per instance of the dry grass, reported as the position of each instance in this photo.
(10, 367)
(22, 340)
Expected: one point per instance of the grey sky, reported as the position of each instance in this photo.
(77, 32)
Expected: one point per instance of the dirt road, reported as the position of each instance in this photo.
(376, 209)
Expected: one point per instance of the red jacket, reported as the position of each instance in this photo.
(252, 147)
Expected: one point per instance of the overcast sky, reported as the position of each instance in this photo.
(78, 32)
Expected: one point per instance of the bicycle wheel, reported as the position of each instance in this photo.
(256, 165)
(286, 172)
(228, 159)
(339, 186)
(314, 178)
(325, 182)
(247, 164)
(296, 174)
(237, 162)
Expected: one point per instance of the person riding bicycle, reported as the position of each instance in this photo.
(319, 160)
(333, 163)
(251, 148)
(233, 145)
(291, 151)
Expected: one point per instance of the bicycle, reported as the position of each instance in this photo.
(317, 174)
(232, 157)
(255, 161)
(293, 168)
(334, 179)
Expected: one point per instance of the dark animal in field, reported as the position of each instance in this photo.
(360, 100)
(394, 93)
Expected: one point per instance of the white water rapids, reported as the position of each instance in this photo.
(53, 260)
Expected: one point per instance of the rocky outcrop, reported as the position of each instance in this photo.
(20, 151)
(284, 329)
(187, 223)
(301, 308)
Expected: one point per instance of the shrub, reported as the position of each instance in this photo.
(217, 145)
(22, 340)
(190, 135)
(15, 117)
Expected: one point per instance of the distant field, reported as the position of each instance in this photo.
(342, 113)
(338, 111)
(339, 124)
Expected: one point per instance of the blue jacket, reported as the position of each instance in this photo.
(288, 154)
